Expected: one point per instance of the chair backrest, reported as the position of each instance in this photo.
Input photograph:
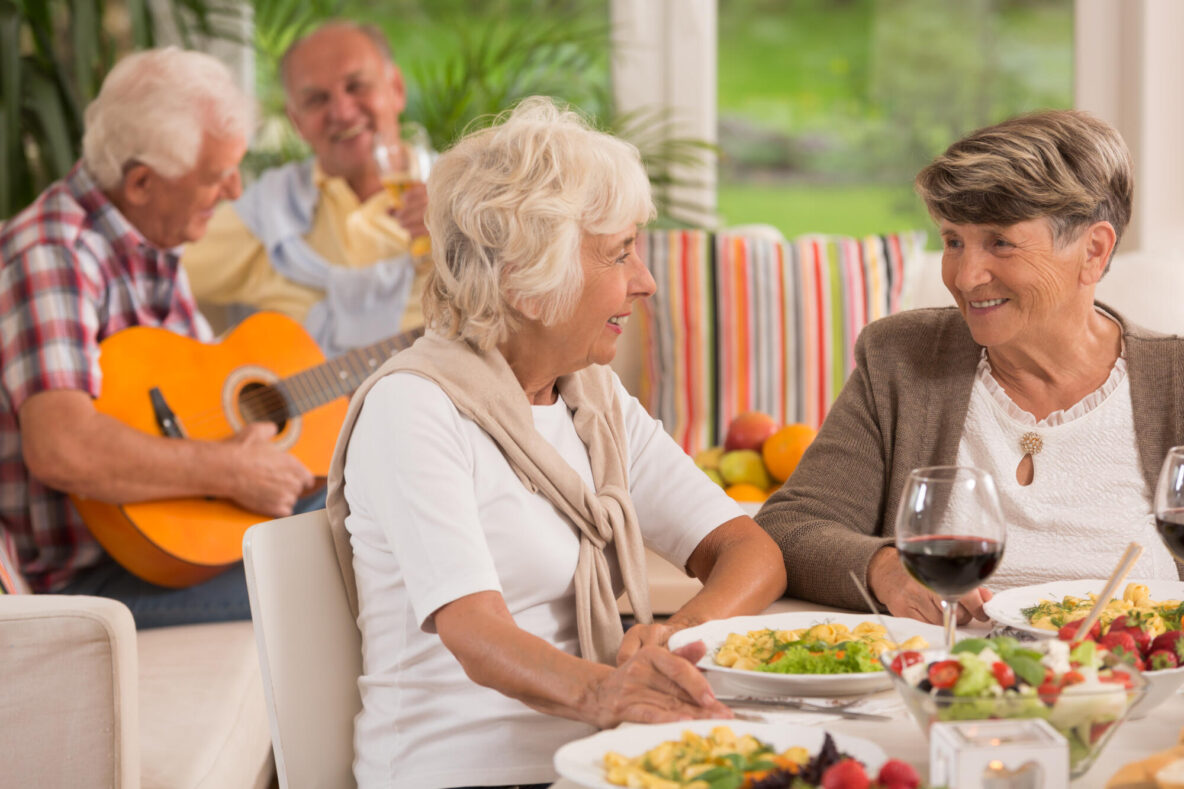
(310, 650)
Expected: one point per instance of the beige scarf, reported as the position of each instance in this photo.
(484, 389)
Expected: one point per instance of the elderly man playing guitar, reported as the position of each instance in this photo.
(96, 253)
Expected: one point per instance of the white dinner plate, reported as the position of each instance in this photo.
(1005, 607)
(714, 633)
(582, 761)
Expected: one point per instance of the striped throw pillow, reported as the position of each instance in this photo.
(744, 322)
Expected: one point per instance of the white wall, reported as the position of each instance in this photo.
(1144, 287)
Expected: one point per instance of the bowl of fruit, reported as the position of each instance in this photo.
(757, 455)
(1083, 690)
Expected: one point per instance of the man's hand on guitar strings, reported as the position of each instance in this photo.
(267, 479)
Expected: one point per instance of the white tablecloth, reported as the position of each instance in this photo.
(901, 738)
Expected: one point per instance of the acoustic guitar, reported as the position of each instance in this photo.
(267, 369)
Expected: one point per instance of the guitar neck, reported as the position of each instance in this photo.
(340, 376)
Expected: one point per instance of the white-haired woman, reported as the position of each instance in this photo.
(95, 254)
(498, 483)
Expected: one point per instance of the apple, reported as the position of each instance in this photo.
(714, 476)
(749, 431)
(744, 465)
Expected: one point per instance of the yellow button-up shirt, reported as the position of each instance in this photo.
(229, 265)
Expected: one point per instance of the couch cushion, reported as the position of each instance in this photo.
(202, 717)
(69, 665)
(744, 322)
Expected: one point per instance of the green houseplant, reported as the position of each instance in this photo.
(53, 57)
(55, 53)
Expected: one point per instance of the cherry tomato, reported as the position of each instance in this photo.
(1071, 678)
(1004, 674)
(1097, 730)
(944, 673)
(1117, 677)
(905, 659)
(1048, 693)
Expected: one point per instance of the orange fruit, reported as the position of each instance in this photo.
(743, 491)
(782, 450)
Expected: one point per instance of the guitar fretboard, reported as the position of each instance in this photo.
(339, 376)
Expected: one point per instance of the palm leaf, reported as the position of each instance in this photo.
(44, 105)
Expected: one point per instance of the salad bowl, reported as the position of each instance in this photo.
(1085, 703)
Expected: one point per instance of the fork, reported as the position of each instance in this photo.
(789, 703)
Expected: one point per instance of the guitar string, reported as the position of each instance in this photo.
(306, 394)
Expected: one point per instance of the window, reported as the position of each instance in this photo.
(828, 108)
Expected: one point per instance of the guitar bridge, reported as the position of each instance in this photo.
(166, 420)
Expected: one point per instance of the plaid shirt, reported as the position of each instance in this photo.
(73, 271)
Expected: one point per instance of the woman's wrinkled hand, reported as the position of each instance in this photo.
(638, 636)
(891, 584)
(654, 685)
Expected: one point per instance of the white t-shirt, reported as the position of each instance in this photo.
(436, 513)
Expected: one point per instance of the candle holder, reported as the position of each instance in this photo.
(1024, 753)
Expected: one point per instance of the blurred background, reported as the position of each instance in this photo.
(825, 108)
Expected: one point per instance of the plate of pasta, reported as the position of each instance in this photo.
(676, 754)
(804, 653)
(1041, 609)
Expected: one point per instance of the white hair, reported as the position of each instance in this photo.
(508, 207)
(155, 107)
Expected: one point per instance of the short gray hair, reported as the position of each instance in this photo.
(1066, 165)
(508, 207)
(155, 107)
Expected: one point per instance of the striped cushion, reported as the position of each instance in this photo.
(742, 322)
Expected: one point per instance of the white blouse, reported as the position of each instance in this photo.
(1088, 497)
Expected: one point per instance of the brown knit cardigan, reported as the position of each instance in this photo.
(904, 407)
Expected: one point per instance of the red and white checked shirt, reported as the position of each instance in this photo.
(73, 271)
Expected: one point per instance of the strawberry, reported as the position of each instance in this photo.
(1137, 625)
(896, 774)
(1116, 640)
(1162, 659)
(1068, 631)
(1172, 641)
(847, 774)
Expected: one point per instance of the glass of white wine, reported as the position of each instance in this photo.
(403, 163)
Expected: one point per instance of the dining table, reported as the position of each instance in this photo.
(901, 738)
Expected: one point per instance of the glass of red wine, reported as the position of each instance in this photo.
(1169, 502)
(950, 532)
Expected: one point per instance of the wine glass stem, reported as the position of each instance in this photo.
(949, 609)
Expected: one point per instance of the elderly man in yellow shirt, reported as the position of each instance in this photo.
(319, 240)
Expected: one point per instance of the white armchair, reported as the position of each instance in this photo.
(86, 701)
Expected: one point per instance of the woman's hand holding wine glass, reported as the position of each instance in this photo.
(950, 533)
(1169, 502)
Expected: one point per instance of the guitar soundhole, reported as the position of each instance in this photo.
(262, 403)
